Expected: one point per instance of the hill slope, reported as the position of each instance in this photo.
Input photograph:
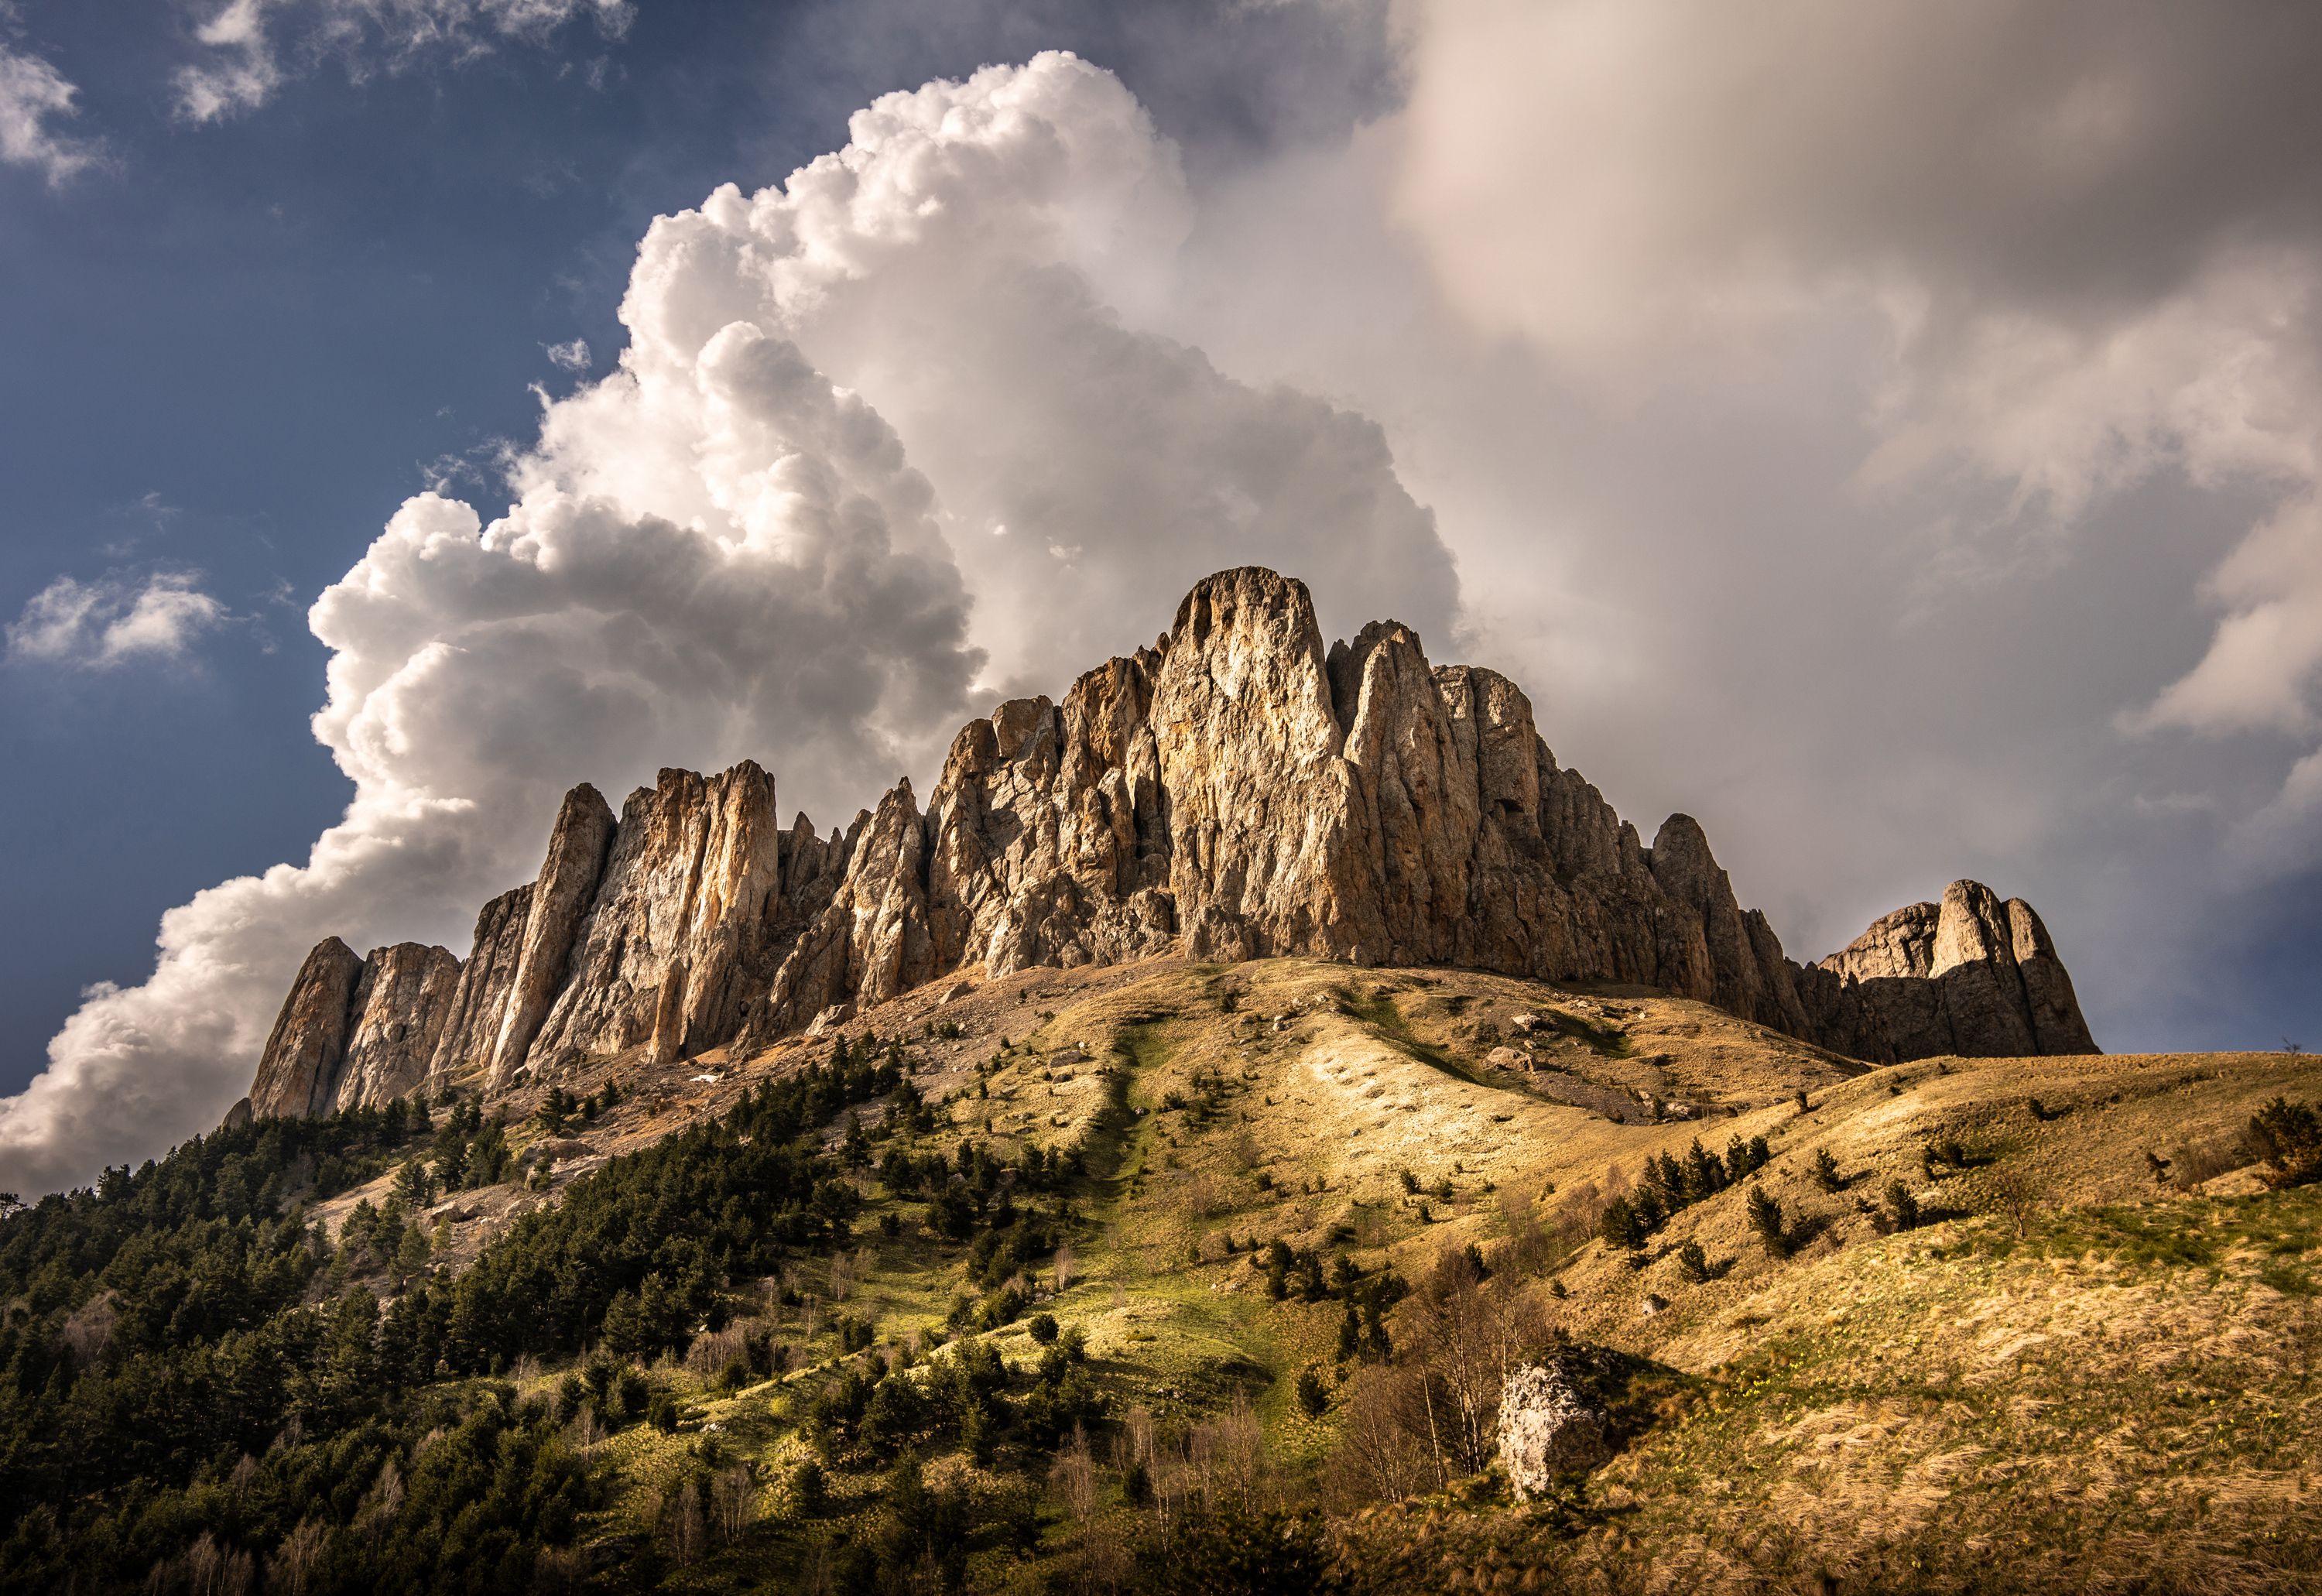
(1246, 1195)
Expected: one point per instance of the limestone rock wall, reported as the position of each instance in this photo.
(675, 941)
(472, 1029)
(355, 1032)
(298, 1072)
(1971, 975)
(1237, 790)
(408, 993)
(561, 897)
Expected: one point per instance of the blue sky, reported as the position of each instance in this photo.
(1831, 462)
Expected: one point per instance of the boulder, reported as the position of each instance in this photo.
(830, 1019)
(554, 1150)
(1551, 1428)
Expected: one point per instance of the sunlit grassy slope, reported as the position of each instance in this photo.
(2082, 1368)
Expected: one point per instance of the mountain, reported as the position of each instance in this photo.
(1263, 1124)
(1235, 792)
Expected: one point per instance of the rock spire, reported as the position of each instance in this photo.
(1237, 791)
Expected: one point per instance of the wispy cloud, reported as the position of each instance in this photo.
(35, 99)
(114, 621)
(569, 357)
(250, 48)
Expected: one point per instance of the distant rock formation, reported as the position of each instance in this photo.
(1235, 792)
(1971, 975)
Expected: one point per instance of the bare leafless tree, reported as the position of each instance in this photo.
(734, 1502)
(1466, 1340)
(1229, 1457)
(1379, 1456)
(1073, 1475)
(689, 1528)
(291, 1570)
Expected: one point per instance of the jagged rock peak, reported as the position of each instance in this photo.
(560, 898)
(298, 1072)
(673, 943)
(1235, 792)
(1968, 975)
(355, 1032)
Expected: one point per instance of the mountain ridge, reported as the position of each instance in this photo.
(1234, 791)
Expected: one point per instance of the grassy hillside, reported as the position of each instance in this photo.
(1217, 1277)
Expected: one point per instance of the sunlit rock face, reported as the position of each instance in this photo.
(356, 1031)
(1237, 791)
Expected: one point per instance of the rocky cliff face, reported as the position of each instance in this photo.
(1971, 975)
(479, 1002)
(674, 946)
(356, 1031)
(557, 903)
(1235, 792)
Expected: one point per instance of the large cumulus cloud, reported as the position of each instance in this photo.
(987, 263)
(2080, 244)
(904, 391)
(782, 592)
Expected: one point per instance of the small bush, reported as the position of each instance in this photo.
(1825, 1171)
(1902, 1208)
(2288, 1137)
(632, 1392)
(1043, 1328)
(1692, 1262)
(1621, 1225)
